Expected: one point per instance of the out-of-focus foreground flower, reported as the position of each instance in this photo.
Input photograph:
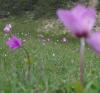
(14, 42)
(79, 20)
(7, 28)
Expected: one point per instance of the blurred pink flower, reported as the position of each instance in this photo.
(94, 41)
(7, 28)
(79, 20)
(14, 42)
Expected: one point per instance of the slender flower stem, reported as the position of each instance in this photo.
(29, 63)
(82, 49)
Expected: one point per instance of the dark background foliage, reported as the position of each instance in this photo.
(40, 8)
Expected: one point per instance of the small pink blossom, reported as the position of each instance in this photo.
(14, 42)
(7, 28)
(79, 20)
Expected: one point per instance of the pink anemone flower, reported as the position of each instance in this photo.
(79, 20)
(7, 28)
(14, 42)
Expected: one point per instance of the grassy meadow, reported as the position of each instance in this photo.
(54, 63)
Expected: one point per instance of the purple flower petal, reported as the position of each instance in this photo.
(14, 42)
(86, 16)
(78, 10)
(94, 41)
(68, 20)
